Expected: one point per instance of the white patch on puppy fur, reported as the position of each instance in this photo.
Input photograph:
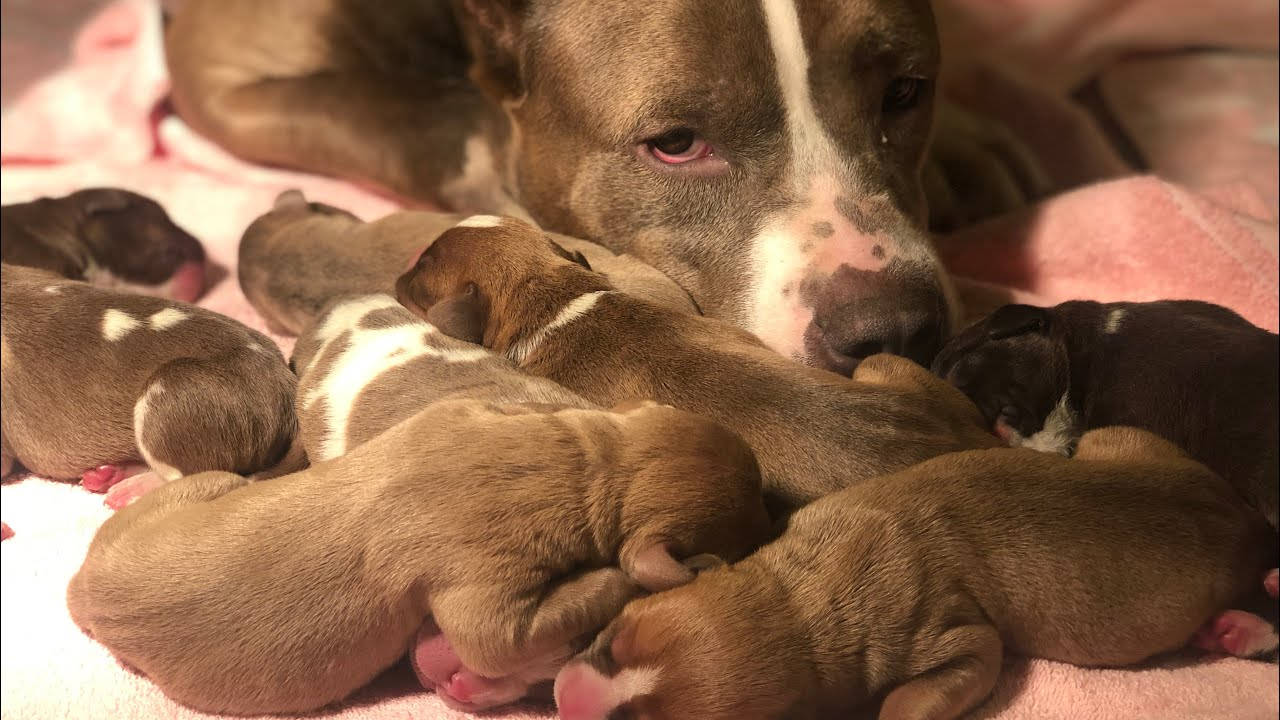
(1059, 434)
(366, 355)
(140, 409)
(167, 318)
(575, 309)
(116, 324)
(53, 289)
(481, 221)
(1113, 321)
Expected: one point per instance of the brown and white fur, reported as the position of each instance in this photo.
(813, 431)
(368, 363)
(1194, 373)
(108, 237)
(299, 256)
(95, 380)
(776, 177)
(505, 525)
(918, 583)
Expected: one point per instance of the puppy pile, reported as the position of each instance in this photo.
(532, 468)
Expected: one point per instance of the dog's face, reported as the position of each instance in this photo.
(132, 238)
(1012, 365)
(765, 154)
(475, 281)
(690, 652)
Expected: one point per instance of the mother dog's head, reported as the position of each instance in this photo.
(765, 154)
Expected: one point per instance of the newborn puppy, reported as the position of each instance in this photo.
(95, 380)
(108, 237)
(504, 524)
(1196, 374)
(813, 431)
(300, 255)
(916, 585)
(368, 363)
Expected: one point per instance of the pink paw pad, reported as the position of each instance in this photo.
(101, 478)
(1238, 633)
(432, 657)
(130, 489)
(468, 691)
(1272, 583)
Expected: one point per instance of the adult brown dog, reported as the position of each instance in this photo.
(916, 585)
(504, 285)
(504, 524)
(764, 154)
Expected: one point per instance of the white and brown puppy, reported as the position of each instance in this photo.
(776, 177)
(918, 583)
(96, 380)
(504, 525)
(813, 431)
(368, 363)
(1194, 373)
(301, 255)
(108, 237)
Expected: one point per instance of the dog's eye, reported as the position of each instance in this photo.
(902, 94)
(679, 146)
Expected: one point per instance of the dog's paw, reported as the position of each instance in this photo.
(126, 491)
(976, 169)
(1238, 633)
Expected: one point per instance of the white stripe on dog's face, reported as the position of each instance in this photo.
(811, 147)
(575, 309)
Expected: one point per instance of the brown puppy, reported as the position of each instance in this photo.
(108, 237)
(368, 363)
(96, 379)
(813, 431)
(916, 584)
(1194, 373)
(504, 524)
(300, 255)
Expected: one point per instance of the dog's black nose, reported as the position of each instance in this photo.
(892, 316)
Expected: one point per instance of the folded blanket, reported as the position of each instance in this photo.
(101, 121)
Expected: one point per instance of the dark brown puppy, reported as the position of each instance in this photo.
(506, 525)
(95, 380)
(916, 584)
(1196, 374)
(108, 237)
(813, 431)
(301, 255)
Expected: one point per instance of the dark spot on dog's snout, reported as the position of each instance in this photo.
(823, 229)
(865, 222)
(877, 252)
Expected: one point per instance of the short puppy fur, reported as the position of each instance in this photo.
(506, 525)
(368, 363)
(95, 377)
(1194, 373)
(813, 431)
(301, 255)
(108, 237)
(912, 587)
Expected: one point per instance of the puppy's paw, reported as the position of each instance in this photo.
(130, 489)
(1271, 583)
(101, 478)
(433, 658)
(1237, 633)
(468, 691)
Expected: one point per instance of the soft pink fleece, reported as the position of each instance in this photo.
(96, 122)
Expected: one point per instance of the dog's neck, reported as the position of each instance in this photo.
(539, 307)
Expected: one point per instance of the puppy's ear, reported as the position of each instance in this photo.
(571, 256)
(460, 316)
(654, 569)
(494, 30)
(98, 200)
(292, 198)
(1012, 320)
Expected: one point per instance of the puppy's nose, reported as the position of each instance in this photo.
(891, 316)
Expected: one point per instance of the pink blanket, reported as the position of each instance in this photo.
(98, 121)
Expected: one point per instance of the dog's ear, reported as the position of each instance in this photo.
(571, 256)
(654, 569)
(493, 30)
(291, 198)
(98, 200)
(460, 316)
(1012, 320)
